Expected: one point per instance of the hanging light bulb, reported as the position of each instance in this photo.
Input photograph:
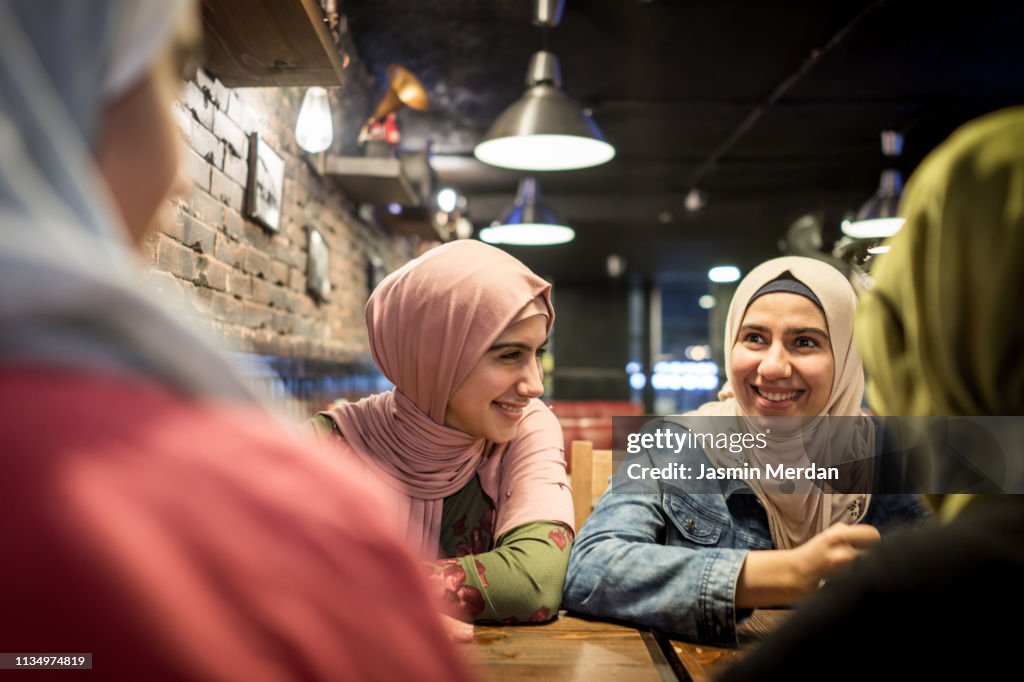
(314, 131)
(528, 222)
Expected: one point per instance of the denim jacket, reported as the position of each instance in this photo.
(670, 559)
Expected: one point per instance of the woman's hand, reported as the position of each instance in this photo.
(457, 630)
(779, 577)
(831, 551)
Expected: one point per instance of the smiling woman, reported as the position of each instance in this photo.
(714, 549)
(476, 457)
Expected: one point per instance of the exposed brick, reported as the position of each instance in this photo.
(217, 91)
(197, 235)
(196, 168)
(174, 227)
(212, 273)
(297, 280)
(257, 235)
(196, 102)
(218, 306)
(204, 207)
(237, 167)
(183, 119)
(281, 321)
(278, 273)
(175, 258)
(234, 108)
(207, 145)
(270, 294)
(240, 284)
(234, 223)
(255, 316)
(229, 251)
(256, 262)
(224, 188)
(294, 254)
(231, 133)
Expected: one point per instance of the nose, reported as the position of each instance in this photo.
(531, 380)
(775, 363)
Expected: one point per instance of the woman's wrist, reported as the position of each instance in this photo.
(773, 577)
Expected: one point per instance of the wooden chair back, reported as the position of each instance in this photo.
(591, 471)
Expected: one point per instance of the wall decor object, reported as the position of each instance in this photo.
(266, 184)
(375, 272)
(317, 281)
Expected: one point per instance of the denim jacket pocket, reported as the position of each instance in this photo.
(697, 525)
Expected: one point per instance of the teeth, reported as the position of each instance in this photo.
(776, 397)
(510, 408)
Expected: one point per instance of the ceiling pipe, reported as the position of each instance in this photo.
(748, 122)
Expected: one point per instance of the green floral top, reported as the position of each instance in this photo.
(516, 578)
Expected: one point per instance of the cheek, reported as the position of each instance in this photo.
(819, 373)
(741, 363)
(138, 154)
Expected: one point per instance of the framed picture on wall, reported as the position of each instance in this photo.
(317, 278)
(266, 184)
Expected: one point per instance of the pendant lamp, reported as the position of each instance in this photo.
(544, 130)
(878, 217)
(528, 222)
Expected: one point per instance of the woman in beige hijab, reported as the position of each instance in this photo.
(694, 556)
(941, 333)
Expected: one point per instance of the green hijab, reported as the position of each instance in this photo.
(942, 332)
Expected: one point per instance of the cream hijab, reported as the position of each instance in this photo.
(430, 322)
(795, 517)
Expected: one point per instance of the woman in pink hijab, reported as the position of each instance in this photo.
(475, 456)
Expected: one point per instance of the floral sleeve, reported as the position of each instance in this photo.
(519, 581)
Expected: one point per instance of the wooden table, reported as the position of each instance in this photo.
(699, 662)
(568, 648)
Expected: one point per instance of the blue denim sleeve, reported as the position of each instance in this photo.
(620, 568)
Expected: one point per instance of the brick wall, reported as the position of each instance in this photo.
(249, 281)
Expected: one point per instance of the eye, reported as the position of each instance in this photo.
(511, 355)
(541, 352)
(753, 337)
(806, 342)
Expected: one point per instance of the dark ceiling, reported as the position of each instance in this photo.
(774, 109)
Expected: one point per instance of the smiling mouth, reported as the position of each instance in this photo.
(776, 396)
(512, 409)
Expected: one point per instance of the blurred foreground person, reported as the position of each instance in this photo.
(151, 513)
(941, 333)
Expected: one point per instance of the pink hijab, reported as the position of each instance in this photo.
(430, 322)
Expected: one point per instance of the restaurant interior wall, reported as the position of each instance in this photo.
(250, 282)
(591, 341)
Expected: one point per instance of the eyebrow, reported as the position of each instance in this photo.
(791, 330)
(515, 344)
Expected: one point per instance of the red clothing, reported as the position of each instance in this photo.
(178, 539)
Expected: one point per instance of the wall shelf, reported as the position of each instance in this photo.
(261, 43)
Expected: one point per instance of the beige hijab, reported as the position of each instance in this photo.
(942, 329)
(795, 517)
(430, 322)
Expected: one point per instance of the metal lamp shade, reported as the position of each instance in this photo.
(528, 222)
(879, 217)
(544, 130)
